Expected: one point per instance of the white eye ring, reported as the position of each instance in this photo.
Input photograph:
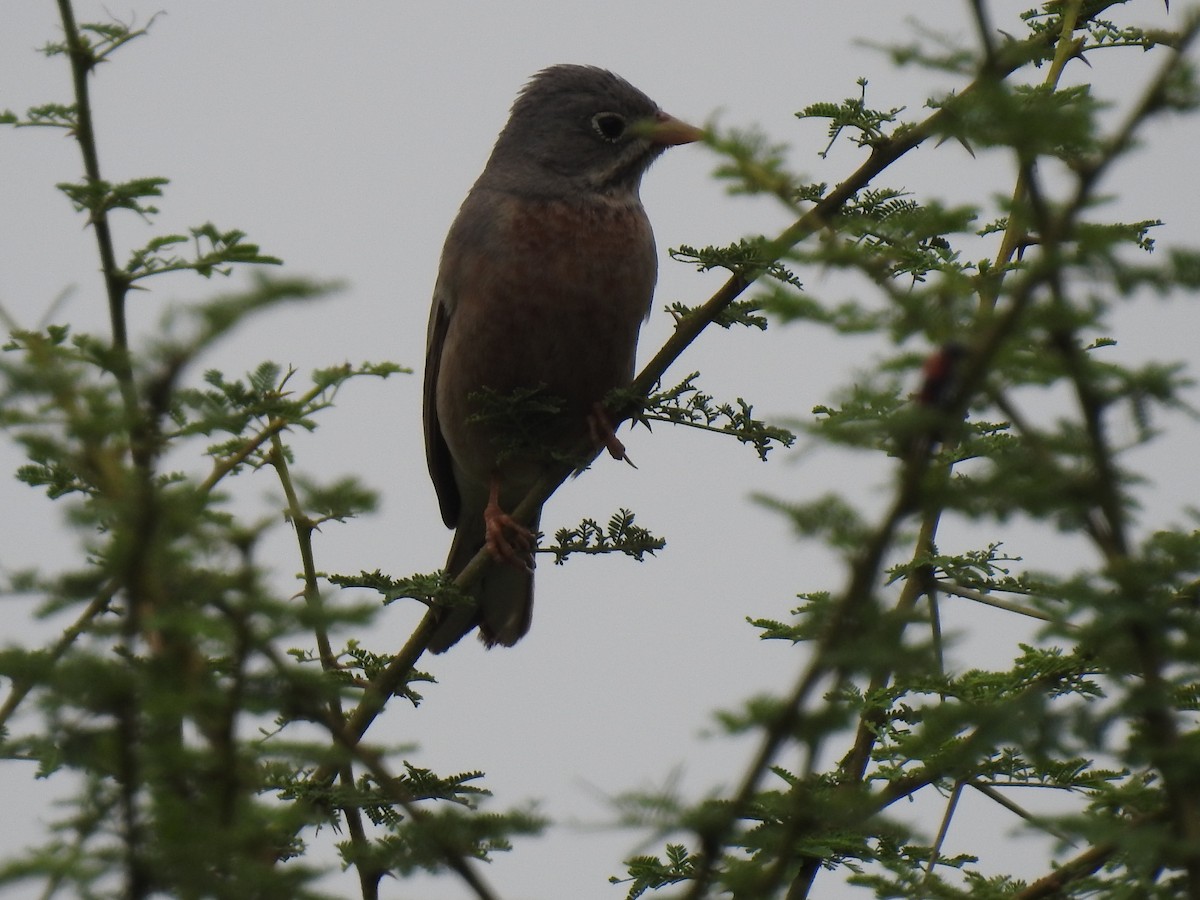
(609, 125)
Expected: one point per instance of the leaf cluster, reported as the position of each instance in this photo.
(620, 535)
(685, 404)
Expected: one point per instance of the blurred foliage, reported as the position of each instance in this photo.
(1101, 710)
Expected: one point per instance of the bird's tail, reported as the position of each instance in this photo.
(503, 596)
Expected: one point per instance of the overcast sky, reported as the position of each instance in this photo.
(342, 138)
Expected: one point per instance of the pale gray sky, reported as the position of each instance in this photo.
(342, 138)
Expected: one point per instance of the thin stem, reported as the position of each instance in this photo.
(1087, 863)
(966, 593)
(852, 601)
(348, 741)
(304, 526)
(224, 466)
(374, 764)
(134, 579)
(1015, 234)
(21, 687)
(944, 829)
(1016, 809)
(368, 875)
(115, 283)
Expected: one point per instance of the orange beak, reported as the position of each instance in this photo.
(667, 131)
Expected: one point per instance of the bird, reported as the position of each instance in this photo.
(546, 276)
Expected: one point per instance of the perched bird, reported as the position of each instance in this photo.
(940, 375)
(546, 276)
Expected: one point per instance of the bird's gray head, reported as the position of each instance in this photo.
(583, 128)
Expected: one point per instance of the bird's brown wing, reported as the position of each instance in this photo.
(437, 453)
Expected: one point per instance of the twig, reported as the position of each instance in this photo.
(351, 743)
(1087, 863)
(374, 764)
(20, 688)
(368, 875)
(966, 593)
(944, 829)
(116, 286)
(1016, 809)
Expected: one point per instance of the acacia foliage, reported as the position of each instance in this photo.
(215, 729)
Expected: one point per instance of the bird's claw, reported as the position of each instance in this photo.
(506, 539)
(601, 429)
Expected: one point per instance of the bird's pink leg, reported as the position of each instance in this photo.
(601, 429)
(506, 539)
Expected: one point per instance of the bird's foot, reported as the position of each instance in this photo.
(506, 539)
(601, 429)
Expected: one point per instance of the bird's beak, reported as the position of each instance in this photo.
(667, 131)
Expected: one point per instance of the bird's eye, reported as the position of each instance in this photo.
(608, 125)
